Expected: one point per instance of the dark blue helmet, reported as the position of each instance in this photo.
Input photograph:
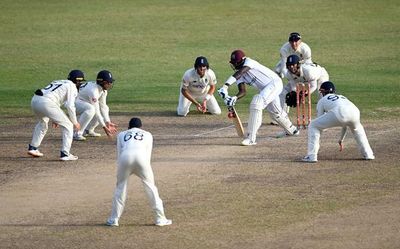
(76, 75)
(104, 75)
(292, 60)
(327, 87)
(200, 62)
(294, 36)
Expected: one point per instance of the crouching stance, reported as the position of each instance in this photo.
(269, 86)
(197, 87)
(46, 104)
(134, 148)
(335, 110)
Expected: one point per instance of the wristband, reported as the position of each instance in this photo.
(230, 81)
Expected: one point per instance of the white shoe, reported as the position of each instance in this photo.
(69, 157)
(285, 134)
(369, 157)
(163, 222)
(78, 137)
(248, 142)
(88, 133)
(112, 223)
(309, 159)
(35, 153)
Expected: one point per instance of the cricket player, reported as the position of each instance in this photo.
(295, 45)
(134, 148)
(269, 86)
(335, 110)
(92, 106)
(298, 72)
(46, 105)
(197, 87)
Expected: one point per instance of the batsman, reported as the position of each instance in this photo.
(269, 85)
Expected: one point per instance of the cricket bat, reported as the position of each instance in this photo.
(232, 114)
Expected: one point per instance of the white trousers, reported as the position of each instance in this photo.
(184, 104)
(133, 162)
(329, 120)
(46, 110)
(87, 118)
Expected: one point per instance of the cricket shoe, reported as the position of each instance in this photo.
(112, 223)
(163, 222)
(309, 159)
(78, 137)
(67, 157)
(369, 157)
(88, 133)
(248, 142)
(285, 134)
(35, 153)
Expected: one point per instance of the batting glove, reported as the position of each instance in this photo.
(223, 92)
(230, 100)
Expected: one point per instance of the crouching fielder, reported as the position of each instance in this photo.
(269, 86)
(335, 110)
(134, 148)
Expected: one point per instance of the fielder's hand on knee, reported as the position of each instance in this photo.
(230, 100)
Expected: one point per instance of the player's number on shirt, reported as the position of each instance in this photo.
(334, 97)
(52, 86)
(136, 136)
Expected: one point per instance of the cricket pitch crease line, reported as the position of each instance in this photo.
(199, 134)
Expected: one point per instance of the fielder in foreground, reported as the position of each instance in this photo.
(335, 110)
(46, 104)
(134, 148)
(269, 86)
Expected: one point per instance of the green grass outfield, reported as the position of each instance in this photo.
(149, 44)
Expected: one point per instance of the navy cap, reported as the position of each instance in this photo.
(105, 75)
(200, 62)
(75, 75)
(294, 36)
(135, 122)
(328, 87)
(292, 60)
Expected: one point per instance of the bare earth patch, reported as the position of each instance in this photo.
(218, 194)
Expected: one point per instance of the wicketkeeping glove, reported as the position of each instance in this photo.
(223, 92)
(291, 99)
(230, 100)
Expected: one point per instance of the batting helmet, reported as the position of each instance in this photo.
(200, 62)
(76, 75)
(104, 75)
(292, 60)
(327, 87)
(237, 59)
(294, 36)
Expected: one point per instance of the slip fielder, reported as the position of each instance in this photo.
(92, 106)
(46, 104)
